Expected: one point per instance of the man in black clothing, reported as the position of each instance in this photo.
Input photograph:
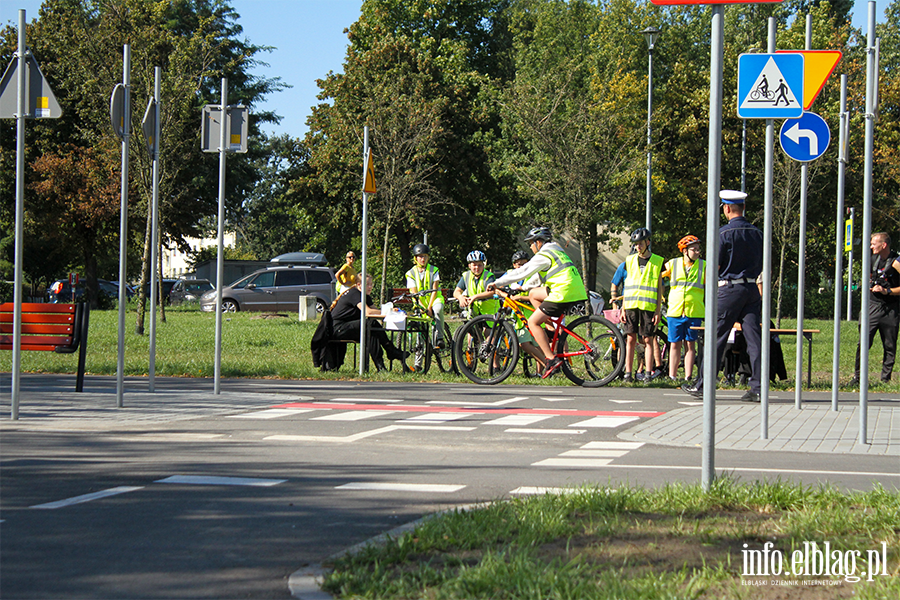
(346, 316)
(884, 303)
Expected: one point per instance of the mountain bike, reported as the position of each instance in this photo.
(418, 338)
(487, 347)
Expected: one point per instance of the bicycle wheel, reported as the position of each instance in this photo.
(486, 349)
(443, 357)
(596, 347)
(415, 342)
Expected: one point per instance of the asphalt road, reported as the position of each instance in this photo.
(226, 499)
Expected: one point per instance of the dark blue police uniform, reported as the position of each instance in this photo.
(740, 263)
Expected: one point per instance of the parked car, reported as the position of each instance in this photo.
(167, 285)
(189, 290)
(276, 288)
(60, 291)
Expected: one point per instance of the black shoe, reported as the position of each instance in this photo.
(853, 383)
(552, 365)
(395, 354)
(692, 389)
(379, 367)
(627, 378)
(750, 397)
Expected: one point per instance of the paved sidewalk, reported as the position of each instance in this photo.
(811, 429)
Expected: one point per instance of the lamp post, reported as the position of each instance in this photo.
(650, 35)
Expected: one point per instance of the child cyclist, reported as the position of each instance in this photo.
(687, 277)
(641, 302)
(422, 277)
(471, 292)
(562, 288)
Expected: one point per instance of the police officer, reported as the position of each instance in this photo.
(884, 303)
(740, 263)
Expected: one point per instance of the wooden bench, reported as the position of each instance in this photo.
(61, 328)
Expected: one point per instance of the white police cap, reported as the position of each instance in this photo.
(732, 197)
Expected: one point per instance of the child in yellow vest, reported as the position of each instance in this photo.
(687, 279)
(642, 303)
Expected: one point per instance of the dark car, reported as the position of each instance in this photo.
(60, 291)
(189, 290)
(167, 285)
(276, 288)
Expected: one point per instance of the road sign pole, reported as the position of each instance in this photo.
(220, 259)
(865, 282)
(151, 372)
(839, 252)
(123, 226)
(801, 272)
(363, 357)
(766, 346)
(714, 170)
(850, 267)
(20, 220)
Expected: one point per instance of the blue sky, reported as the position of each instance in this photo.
(309, 41)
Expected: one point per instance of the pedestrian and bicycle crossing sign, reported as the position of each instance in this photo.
(770, 86)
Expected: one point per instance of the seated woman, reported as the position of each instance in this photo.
(346, 317)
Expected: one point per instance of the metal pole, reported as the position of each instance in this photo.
(151, 375)
(714, 169)
(220, 261)
(850, 265)
(801, 274)
(649, 136)
(20, 221)
(839, 249)
(766, 337)
(123, 227)
(744, 155)
(363, 362)
(865, 280)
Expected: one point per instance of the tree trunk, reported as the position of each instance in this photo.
(142, 294)
(162, 306)
(781, 259)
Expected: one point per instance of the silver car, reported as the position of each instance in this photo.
(275, 289)
(189, 290)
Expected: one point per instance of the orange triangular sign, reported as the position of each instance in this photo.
(817, 68)
(369, 186)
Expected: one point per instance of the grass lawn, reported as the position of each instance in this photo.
(675, 542)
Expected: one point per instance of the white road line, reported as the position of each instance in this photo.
(497, 403)
(272, 413)
(626, 401)
(354, 400)
(551, 431)
(581, 463)
(612, 445)
(402, 426)
(402, 487)
(754, 470)
(347, 439)
(88, 497)
(353, 415)
(518, 420)
(540, 491)
(691, 403)
(211, 480)
(169, 437)
(595, 453)
(435, 417)
(556, 399)
(609, 422)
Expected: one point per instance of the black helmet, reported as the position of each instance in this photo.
(420, 249)
(519, 255)
(539, 233)
(639, 235)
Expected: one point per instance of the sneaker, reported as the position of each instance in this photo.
(853, 383)
(750, 397)
(552, 365)
(639, 376)
(674, 379)
(627, 378)
(692, 389)
(656, 373)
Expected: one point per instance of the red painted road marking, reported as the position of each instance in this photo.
(473, 410)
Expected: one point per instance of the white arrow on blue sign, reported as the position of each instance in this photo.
(806, 138)
(770, 86)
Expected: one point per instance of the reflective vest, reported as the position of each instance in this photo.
(425, 280)
(686, 293)
(476, 286)
(641, 291)
(561, 278)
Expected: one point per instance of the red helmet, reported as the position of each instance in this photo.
(686, 241)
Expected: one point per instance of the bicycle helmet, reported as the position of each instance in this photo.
(538, 233)
(639, 235)
(686, 241)
(420, 249)
(519, 255)
(476, 256)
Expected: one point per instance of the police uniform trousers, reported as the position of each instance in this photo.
(742, 304)
(884, 318)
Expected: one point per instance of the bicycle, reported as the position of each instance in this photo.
(487, 347)
(660, 337)
(418, 338)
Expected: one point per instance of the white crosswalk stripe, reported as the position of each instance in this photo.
(353, 415)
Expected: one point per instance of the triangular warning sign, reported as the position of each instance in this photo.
(818, 67)
(770, 90)
(369, 185)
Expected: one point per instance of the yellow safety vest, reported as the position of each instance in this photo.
(562, 278)
(476, 286)
(424, 281)
(686, 293)
(641, 291)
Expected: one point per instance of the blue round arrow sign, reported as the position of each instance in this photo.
(806, 138)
